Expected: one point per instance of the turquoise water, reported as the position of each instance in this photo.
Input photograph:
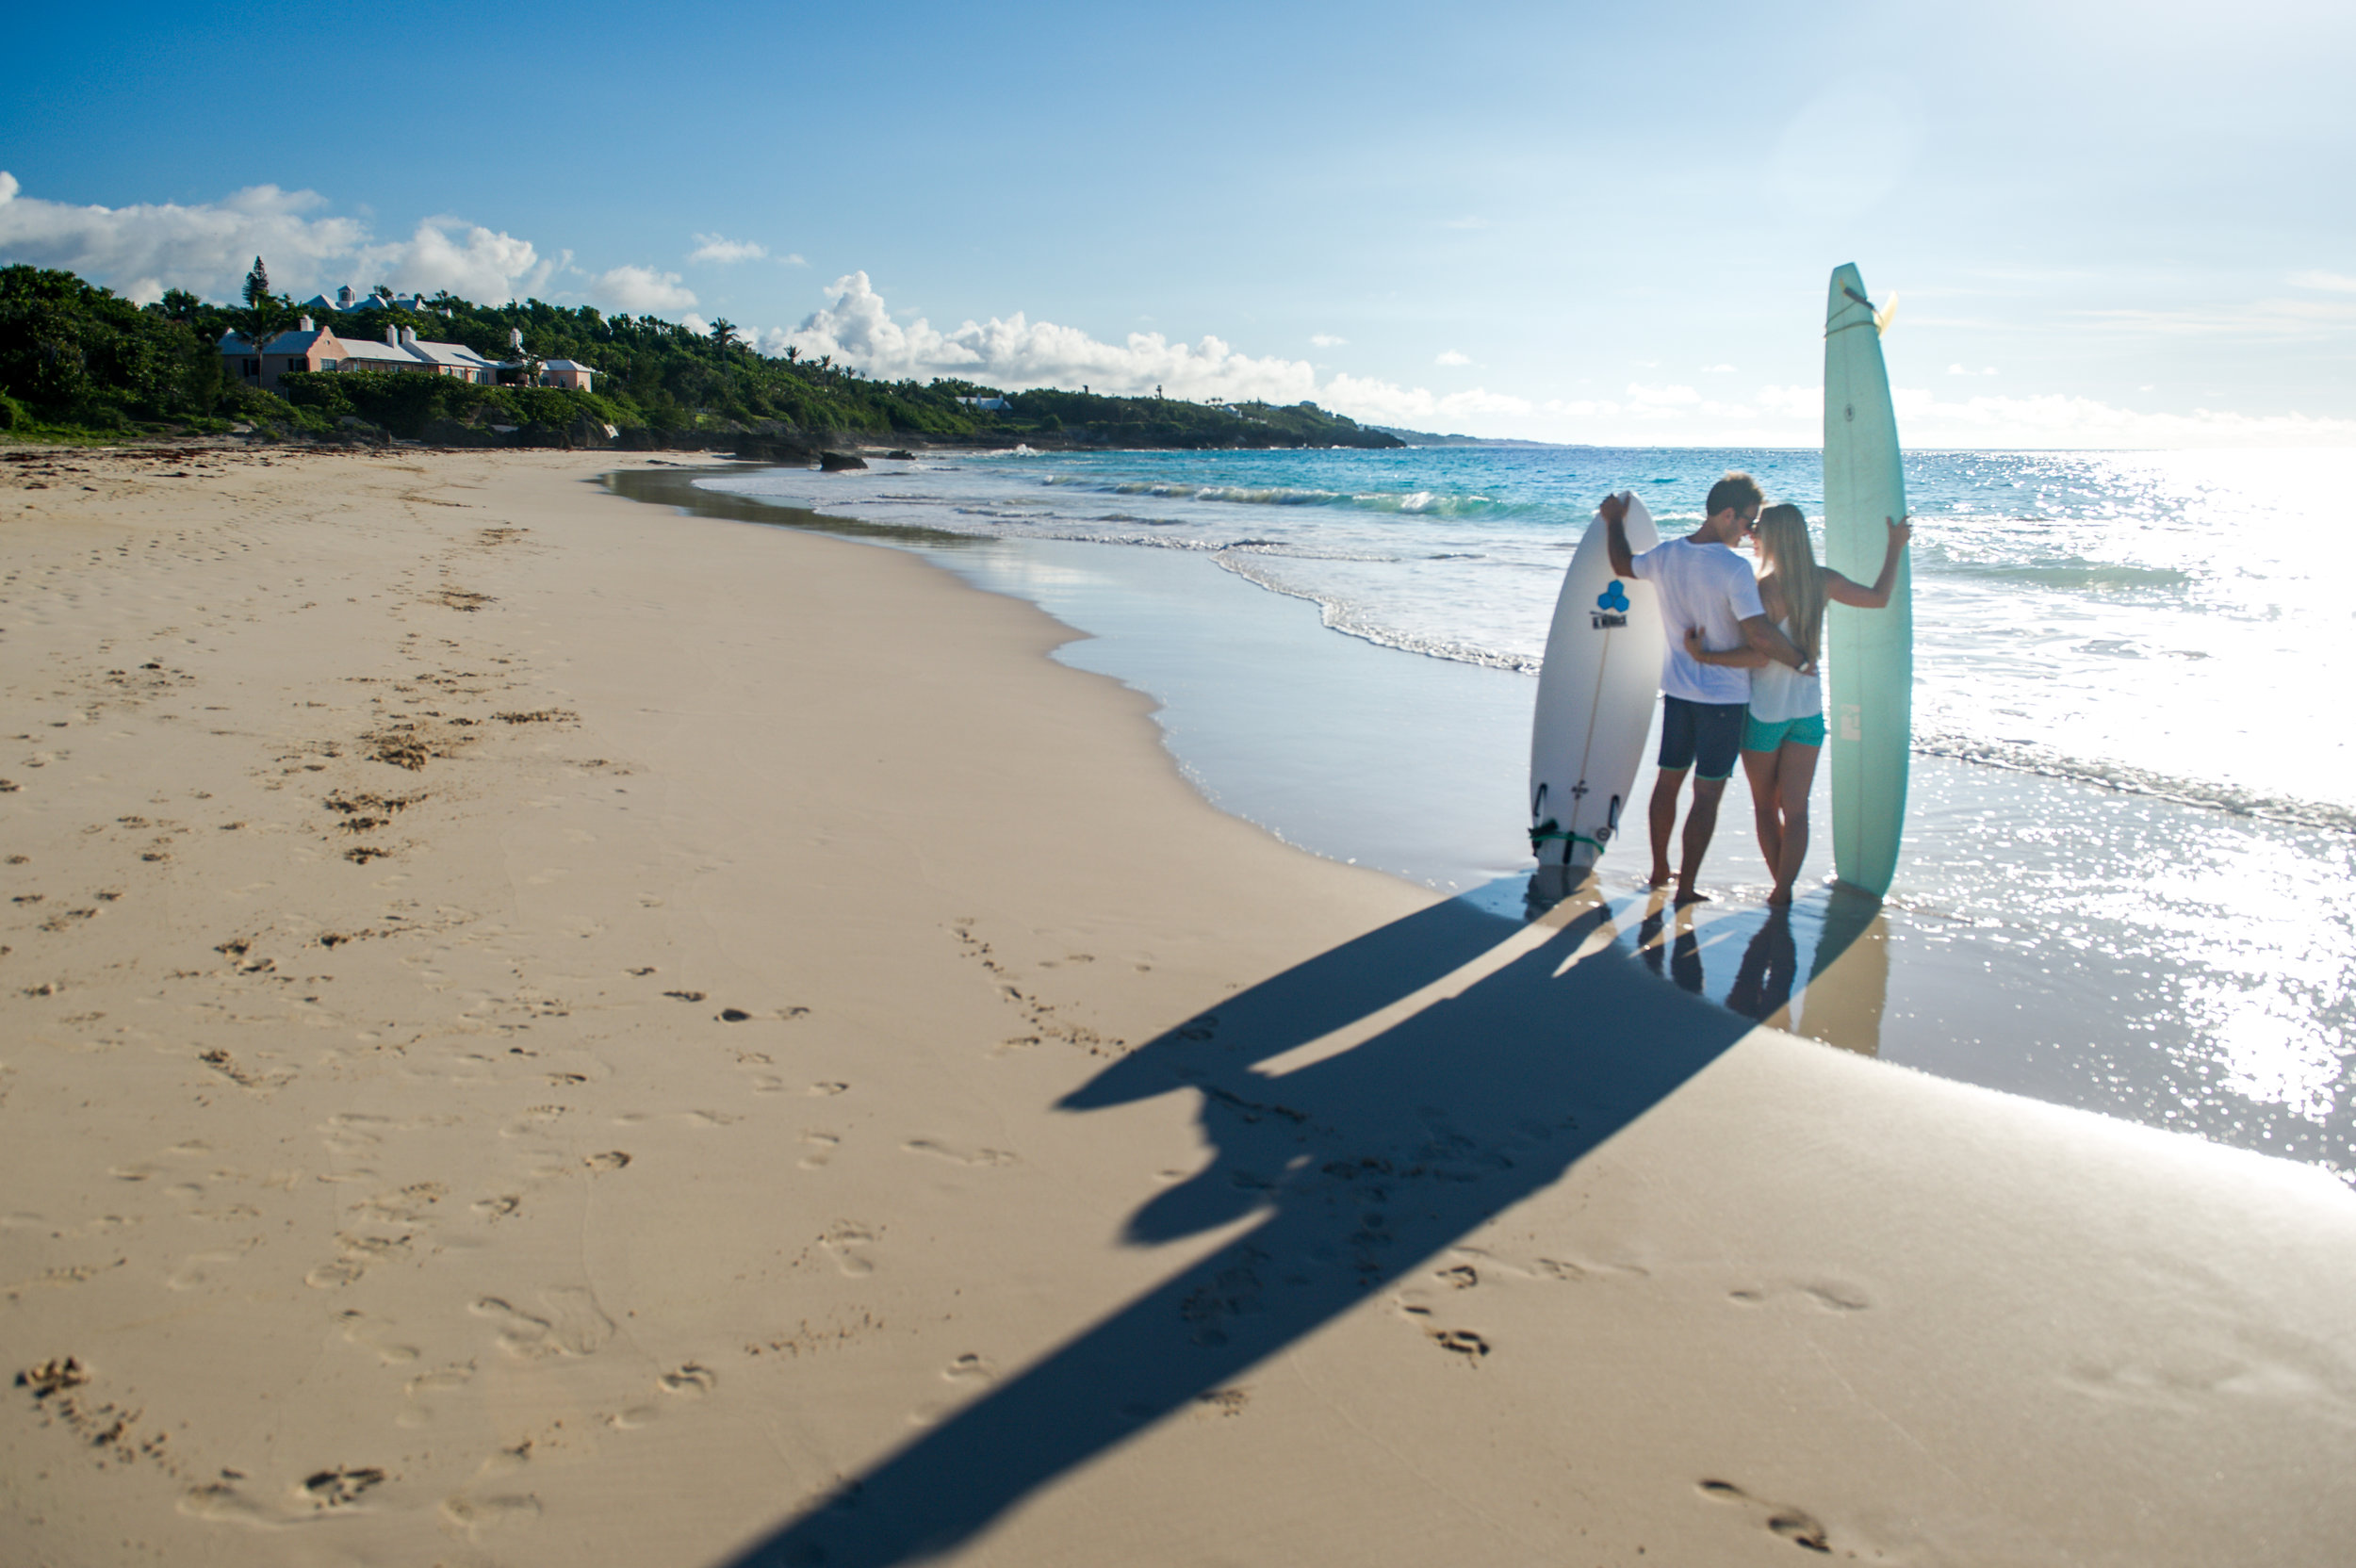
(2129, 882)
(2138, 619)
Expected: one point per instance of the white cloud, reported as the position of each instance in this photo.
(714, 248)
(640, 291)
(1717, 369)
(857, 328)
(1388, 403)
(1326, 340)
(205, 248)
(2337, 282)
(1967, 371)
(793, 259)
(1450, 356)
(479, 265)
(1792, 402)
(695, 324)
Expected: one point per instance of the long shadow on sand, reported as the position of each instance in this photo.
(1367, 1161)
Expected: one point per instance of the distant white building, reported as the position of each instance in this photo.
(311, 347)
(995, 405)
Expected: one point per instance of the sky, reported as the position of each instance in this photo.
(2106, 224)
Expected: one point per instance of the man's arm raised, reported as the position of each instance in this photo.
(1614, 510)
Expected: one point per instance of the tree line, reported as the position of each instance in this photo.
(77, 361)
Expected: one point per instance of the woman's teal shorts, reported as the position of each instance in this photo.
(1808, 732)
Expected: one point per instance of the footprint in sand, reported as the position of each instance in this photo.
(843, 1239)
(372, 1334)
(356, 1252)
(1796, 1525)
(970, 1368)
(573, 1327)
(353, 1132)
(822, 1147)
(1827, 1296)
(336, 1488)
(477, 1515)
(957, 1156)
(420, 1390)
(692, 1380)
(1463, 1342)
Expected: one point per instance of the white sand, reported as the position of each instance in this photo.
(431, 1208)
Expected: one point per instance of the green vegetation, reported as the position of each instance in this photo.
(77, 363)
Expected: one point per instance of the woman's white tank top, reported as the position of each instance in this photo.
(1781, 692)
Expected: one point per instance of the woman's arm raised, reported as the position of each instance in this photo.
(1843, 589)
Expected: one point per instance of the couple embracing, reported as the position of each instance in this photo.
(1740, 676)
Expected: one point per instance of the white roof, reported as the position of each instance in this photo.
(449, 353)
(377, 348)
(569, 364)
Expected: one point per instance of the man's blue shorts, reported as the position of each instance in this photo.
(1703, 736)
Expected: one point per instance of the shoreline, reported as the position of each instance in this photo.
(1997, 961)
(1076, 1152)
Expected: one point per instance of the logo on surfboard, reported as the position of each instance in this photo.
(1611, 607)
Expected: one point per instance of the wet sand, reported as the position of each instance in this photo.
(540, 1031)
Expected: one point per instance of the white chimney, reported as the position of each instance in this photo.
(516, 338)
(408, 335)
(392, 337)
(303, 323)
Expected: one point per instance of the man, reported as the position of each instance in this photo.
(1703, 584)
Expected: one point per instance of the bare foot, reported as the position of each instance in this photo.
(1688, 896)
(1659, 876)
(1781, 895)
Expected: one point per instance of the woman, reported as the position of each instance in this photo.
(1784, 728)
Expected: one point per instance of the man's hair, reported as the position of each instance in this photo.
(1737, 490)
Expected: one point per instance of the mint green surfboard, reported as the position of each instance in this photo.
(1869, 654)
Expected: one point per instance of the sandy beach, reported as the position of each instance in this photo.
(539, 1029)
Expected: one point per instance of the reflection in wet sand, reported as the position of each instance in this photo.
(1762, 987)
(1847, 985)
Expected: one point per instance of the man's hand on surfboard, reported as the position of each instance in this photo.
(1615, 508)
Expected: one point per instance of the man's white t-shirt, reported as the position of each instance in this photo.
(1711, 587)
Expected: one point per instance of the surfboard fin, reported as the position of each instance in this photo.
(1882, 316)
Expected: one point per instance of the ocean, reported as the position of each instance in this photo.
(2127, 883)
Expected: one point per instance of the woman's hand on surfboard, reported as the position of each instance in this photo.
(1901, 530)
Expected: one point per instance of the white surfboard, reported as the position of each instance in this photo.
(1594, 701)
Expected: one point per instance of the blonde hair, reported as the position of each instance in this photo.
(1791, 558)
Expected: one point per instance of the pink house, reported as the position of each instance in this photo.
(310, 348)
(307, 348)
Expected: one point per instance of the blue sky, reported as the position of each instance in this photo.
(2109, 224)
